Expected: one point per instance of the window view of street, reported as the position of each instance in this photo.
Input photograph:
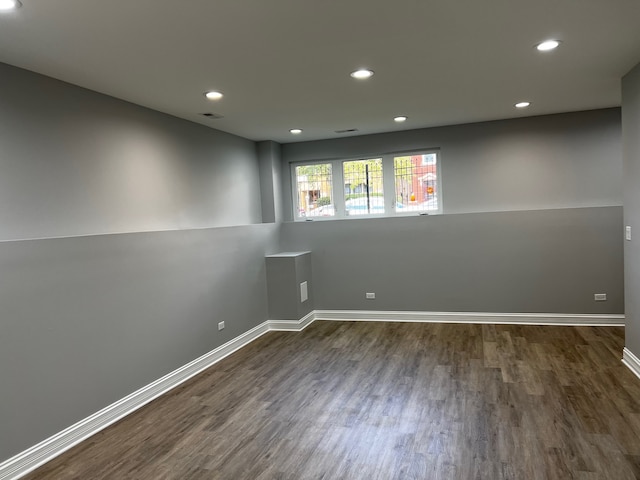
(315, 185)
(363, 189)
(360, 188)
(416, 182)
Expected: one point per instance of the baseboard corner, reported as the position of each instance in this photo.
(292, 325)
(631, 361)
(32, 458)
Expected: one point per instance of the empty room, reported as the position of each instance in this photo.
(318, 240)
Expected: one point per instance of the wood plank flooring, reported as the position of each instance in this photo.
(367, 400)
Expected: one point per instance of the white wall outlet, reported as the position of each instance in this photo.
(600, 297)
(221, 326)
(627, 233)
(304, 292)
(370, 296)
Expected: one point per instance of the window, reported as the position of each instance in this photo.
(416, 182)
(356, 187)
(314, 190)
(363, 187)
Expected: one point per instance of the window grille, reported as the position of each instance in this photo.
(389, 185)
(314, 190)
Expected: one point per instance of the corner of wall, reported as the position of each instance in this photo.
(270, 172)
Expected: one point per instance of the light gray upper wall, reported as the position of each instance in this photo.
(555, 161)
(88, 317)
(276, 180)
(631, 146)
(270, 181)
(75, 162)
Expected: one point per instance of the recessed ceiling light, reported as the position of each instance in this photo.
(296, 131)
(522, 104)
(9, 4)
(362, 74)
(212, 95)
(400, 119)
(548, 45)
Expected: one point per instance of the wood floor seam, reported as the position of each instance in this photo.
(374, 400)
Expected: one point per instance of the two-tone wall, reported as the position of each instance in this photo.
(532, 221)
(126, 235)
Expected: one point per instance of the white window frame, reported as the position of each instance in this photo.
(388, 173)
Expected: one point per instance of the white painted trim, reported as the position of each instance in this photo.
(559, 319)
(631, 361)
(39, 454)
(27, 461)
(292, 325)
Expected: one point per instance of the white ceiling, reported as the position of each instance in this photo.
(286, 63)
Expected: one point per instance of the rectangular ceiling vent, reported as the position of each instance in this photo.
(348, 130)
(215, 116)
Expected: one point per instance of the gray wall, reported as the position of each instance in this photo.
(93, 315)
(532, 261)
(88, 320)
(631, 142)
(285, 273)
(74, 162)
(525, 226)
(270, 181)
(555, 161)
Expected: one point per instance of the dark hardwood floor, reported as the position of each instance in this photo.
(356, 400)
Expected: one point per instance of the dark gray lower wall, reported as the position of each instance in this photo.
(88, 320)
(531, 261)
(286, 272)
(631, 147)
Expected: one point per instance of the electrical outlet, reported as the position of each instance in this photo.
(221, 326)
(627, 233)
(600, 297)
(371, 296)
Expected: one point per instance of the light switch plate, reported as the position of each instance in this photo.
(304, 292)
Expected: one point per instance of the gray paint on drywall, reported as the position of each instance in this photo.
(270, 182)
(75, 162)
(631, 147)
(554, 161)
(89, 316)
(285, 273)
(529, 261)
(304, 273)
(88, 320)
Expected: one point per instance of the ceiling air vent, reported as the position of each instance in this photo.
(215, 116)
(348, 130)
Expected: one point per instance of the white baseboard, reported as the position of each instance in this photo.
(631, 361)
(39, 454)
(559, 319)
(27, 461)
(292, 325)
